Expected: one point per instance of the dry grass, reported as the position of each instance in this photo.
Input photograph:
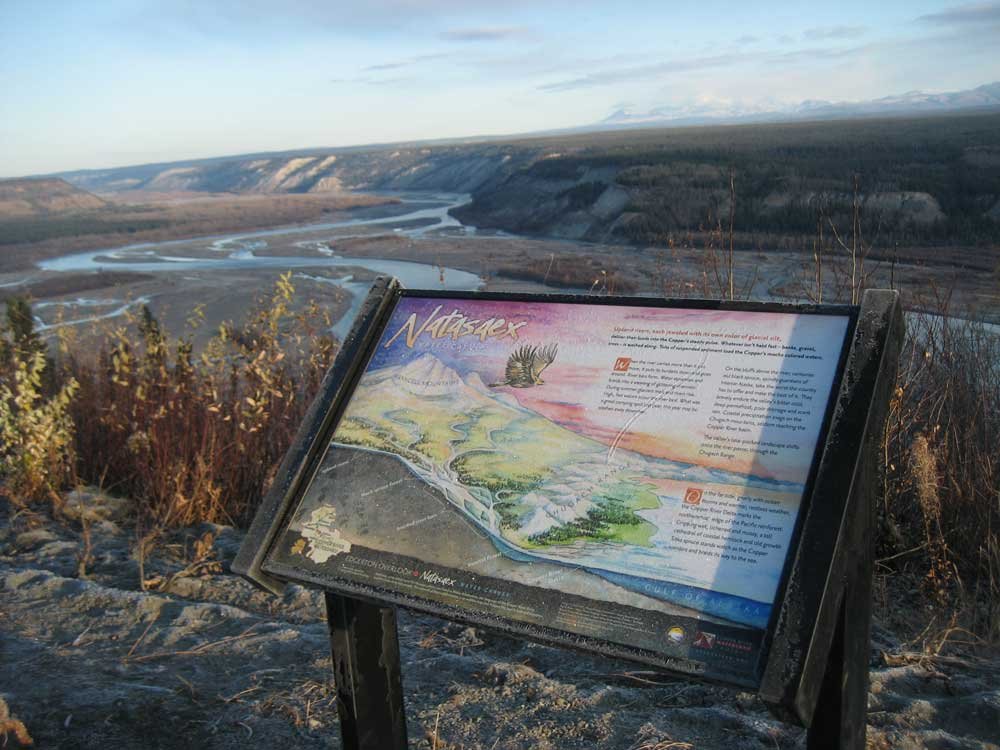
(652, 738)
(940, 515)
(941, 497)
(12, 726)
(201, 560)
(309, 705)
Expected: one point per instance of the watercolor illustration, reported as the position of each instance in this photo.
(593, 465)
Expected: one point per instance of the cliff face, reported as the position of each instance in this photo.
(461, 169)
(581, 203)
(920, 181)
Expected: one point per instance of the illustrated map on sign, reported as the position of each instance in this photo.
(641, 456)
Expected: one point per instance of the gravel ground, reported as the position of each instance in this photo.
(88, 659)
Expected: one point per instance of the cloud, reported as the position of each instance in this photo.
(746, 39)
(834, 32)
(638, 72)
(404, 63)
(961, 15)
(431, 56)
(385, 66)
(484, 34)
(389, 81)
(370, 81)
(810, 54)
(657, 70)
(291, 18)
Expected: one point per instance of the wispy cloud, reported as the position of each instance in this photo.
(746, 39)
(399, 80)
(385, 66)
(373, 81)
(373, 17)
(809, 54)
(484, 34)
(404, 63)
(637, 72)
(961, 15)
(834, 32)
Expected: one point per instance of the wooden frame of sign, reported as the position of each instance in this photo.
(690, 485)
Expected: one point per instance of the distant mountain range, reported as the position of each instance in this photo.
(984, 98)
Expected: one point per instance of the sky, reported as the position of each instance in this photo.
(120, 82)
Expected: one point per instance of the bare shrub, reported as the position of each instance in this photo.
(942, 489)
(940, 513)
(198, 438)
(571, 273)
(924, 479)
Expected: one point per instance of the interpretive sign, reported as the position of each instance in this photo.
(626, 473)
(627, 476)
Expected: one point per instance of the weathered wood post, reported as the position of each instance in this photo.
(820, 653)
(366, 669)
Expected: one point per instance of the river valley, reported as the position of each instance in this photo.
(420, 242)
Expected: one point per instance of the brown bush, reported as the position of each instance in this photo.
(197, 438)
(942, 488)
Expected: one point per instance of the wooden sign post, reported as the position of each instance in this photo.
(686, 484)
(368, 676)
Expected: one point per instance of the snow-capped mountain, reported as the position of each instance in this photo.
(985, 97)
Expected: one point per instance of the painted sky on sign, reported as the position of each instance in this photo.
(574, 383)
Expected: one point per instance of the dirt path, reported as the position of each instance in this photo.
(210, 662)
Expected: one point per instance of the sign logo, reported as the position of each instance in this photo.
(704, 640)
(692, 496)
(676, 634)
(622, 364)
(325, 539)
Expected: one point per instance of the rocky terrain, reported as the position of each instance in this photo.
(101, 646)
(457, 168)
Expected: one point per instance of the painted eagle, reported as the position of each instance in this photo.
(525, 365)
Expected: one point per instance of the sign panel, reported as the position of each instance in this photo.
(624, 473)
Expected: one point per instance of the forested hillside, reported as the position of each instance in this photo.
(917, 181)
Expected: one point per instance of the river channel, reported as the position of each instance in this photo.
(248, 250)
(428, 216)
